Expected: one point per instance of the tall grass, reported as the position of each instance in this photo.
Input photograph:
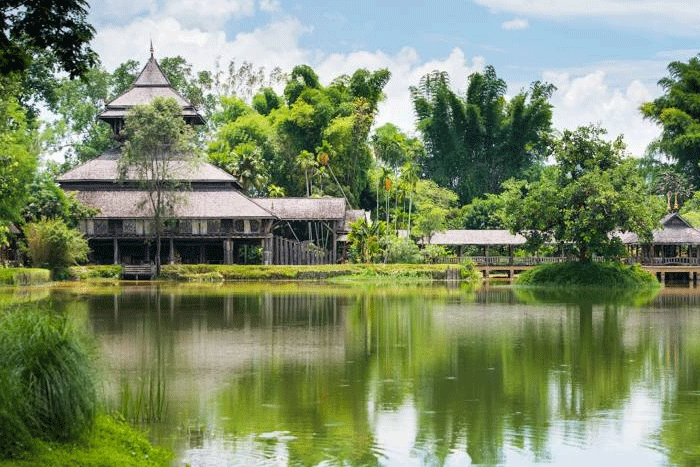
(47, 376)
(24, 276)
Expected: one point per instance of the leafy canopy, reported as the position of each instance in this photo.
(678, 113)
(591, 193)
(59, 26)
(476, 142)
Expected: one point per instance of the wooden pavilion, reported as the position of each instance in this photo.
(676, 242)
(485, 240)
(214, 222)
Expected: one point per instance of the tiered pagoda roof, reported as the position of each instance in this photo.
(151, 83)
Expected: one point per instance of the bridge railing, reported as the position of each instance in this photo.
(535, 260)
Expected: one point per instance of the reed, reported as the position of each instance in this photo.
(49, 361)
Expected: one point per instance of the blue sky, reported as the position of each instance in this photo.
(605, 57)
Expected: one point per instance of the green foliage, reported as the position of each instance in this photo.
(691, 210)
(469, 272)
(403, 250)
(49, 361)
(432, 253)
(59, 26)
(54, 245)
(18, 159)
(679, 115)
(104, 271)
(365, 241)
(24, 276)
(476, 142)
(109, 443)
(218, 273)
(592, 192)
(47, 200)
(588, 274)
(483, 213)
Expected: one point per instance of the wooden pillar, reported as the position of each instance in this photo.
(202, 254)
(334, 258)
(148, 252)
(116, 251)
(171, 254)
(228, 251)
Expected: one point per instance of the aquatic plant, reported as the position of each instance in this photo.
(49, 362)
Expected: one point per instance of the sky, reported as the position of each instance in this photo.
(604, 56)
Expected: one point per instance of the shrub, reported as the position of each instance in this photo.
(588, 274)
(403, 250)
(48, 359)
(52, 244)
(24, 276)
(431, 253)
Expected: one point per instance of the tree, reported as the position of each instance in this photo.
(59, 26)
(593, 192)
(18, 160)
(679, 115)
(54, 245)
(158, 152)
(46, 200)
(476, 142)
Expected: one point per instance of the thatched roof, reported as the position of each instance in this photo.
(303, 209)
(215, 204)
(104, 169)
(476, 237)
(675, 231)
(151, 83)
(353, 215)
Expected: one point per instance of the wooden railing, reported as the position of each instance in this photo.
(535, 260)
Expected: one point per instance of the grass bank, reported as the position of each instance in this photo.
(216, 273)
(48, 397)
(109, 443)
(588, 274)
(24, 276)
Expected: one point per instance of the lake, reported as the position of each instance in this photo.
(316, 374)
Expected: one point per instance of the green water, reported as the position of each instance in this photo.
(273, 374)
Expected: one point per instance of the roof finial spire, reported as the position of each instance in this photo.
(151, 48)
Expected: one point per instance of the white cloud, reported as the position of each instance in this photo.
(515, 24)
(269, 6)
(207, 14)
(584, 99)
(658, 15)
(609, 92)
(275, 44)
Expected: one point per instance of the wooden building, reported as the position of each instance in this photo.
(214, 222)
(676, 242)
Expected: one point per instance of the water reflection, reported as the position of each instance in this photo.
(310, 376)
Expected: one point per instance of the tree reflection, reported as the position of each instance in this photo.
(316, 377)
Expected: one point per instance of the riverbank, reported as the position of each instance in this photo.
(24, 276)
(333, 272)
(588, 274)
(110, 442)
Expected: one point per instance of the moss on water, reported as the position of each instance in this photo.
(588, 274)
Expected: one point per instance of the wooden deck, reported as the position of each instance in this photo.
(138, 271)
(684, 268)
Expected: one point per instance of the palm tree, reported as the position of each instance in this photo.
(306, 161)
(409, 175)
